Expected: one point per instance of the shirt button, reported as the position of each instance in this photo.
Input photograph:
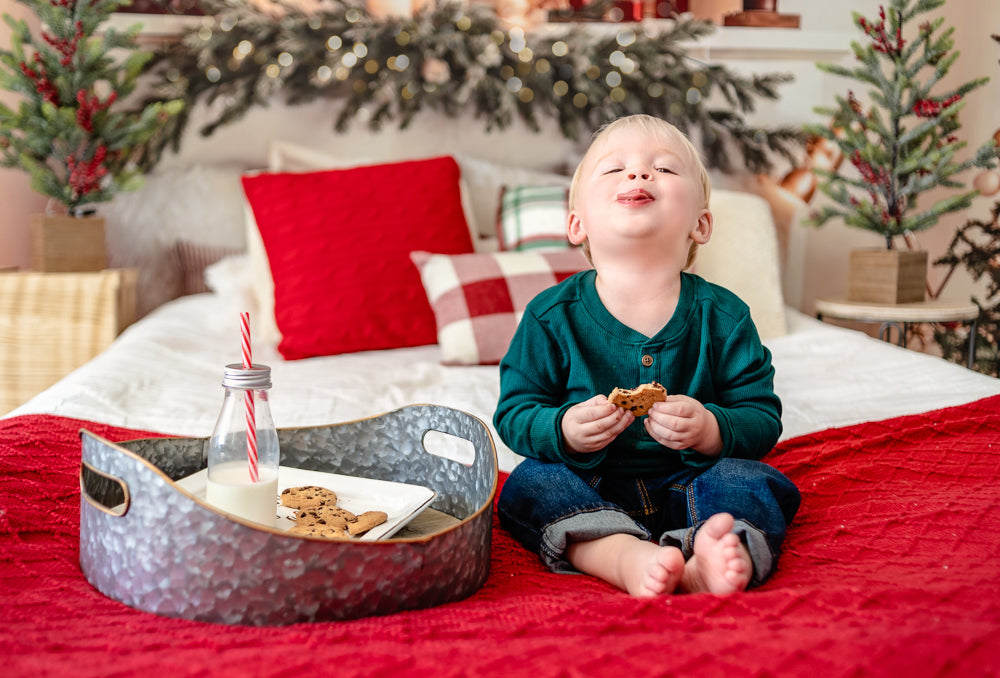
(647, 360)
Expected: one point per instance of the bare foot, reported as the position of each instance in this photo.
(720, 564)
(641, 568)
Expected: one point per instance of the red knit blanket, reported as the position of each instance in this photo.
(892, 568)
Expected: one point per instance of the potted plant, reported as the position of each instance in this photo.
(69, 131)
(898, 145)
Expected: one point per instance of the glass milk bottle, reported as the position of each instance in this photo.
(230, 484)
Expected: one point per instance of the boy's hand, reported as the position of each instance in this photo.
(589, 426)
(682, 423)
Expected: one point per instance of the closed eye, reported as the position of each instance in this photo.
(665, 170)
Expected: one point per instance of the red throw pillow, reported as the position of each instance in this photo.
(338, 243)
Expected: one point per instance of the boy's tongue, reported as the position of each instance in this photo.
(636, 195)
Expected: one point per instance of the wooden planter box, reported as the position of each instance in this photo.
(882, 276)
(61, 243)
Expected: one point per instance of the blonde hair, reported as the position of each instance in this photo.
(654, 126)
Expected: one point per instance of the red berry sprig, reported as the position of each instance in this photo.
(89, 106)
(85, 177)
(878, 34)
(928, 108)
(66, 47)
(874, 178)
(43, 85)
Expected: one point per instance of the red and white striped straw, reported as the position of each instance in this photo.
(245, 340)
(248, 399)
(251, 437)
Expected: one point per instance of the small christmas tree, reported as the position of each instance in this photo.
(903, 143)
(68, 132)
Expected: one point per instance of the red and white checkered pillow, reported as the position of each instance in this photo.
(478, 299)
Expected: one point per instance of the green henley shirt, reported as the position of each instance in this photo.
(568, 347)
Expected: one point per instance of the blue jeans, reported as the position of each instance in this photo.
(547, 505)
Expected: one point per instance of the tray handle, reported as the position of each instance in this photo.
(103, 491)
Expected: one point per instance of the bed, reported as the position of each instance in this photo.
(890, 567)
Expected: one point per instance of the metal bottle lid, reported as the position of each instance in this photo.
(254, 377)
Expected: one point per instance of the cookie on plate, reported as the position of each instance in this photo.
(325, 515)
(308, 496)
(324, 531)
(366, 521)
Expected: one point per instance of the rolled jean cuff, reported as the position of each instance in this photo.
(583, 526)
(756, 542)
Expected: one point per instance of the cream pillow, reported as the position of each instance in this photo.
(742, 256)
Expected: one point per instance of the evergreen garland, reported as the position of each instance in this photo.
(904, 144)
(456, 58)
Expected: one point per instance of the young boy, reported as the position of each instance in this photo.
(597, 484)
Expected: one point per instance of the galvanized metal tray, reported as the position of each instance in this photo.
(156, 547)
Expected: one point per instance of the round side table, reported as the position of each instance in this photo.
(901, 316)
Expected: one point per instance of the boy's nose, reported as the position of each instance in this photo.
(634, 174)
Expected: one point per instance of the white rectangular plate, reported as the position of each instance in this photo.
(401, 501)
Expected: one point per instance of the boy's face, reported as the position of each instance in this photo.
(639, 192)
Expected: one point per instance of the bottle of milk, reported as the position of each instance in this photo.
(231, 483)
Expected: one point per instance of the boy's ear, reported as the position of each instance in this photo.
(574, 229)
(703, 230)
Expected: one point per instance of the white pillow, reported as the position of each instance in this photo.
(742, 256)
(232, 281)
(260, 280)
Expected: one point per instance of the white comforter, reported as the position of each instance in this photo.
(163, 374)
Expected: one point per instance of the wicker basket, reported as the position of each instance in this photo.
(51, 323)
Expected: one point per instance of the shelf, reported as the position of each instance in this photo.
(732, 42)
(154, 25)
(728, 42)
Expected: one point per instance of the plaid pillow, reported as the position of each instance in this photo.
(478, 299)
(532, 217)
